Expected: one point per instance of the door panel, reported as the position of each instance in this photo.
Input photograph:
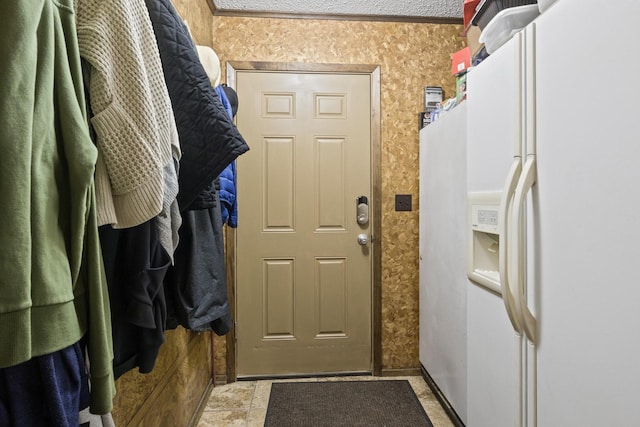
(278, 179)
(304, 291)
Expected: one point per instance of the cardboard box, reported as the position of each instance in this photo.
(473, 39)
(461, 61)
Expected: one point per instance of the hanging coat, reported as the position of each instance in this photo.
(228, 201)
(208, 139)
(196, 285)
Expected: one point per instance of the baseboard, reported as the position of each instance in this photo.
(411, 372)
(451, 413)
(220, 380)
(195, 418)
(301, 376)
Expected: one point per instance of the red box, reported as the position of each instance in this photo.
(469, 9)
(461, 60)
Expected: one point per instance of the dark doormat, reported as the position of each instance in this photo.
(388, 403)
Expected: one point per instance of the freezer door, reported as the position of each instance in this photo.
(494, 142)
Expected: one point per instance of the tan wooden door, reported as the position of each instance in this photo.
(304, 291)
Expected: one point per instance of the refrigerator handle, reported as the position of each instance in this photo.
(513, 310)
(527, 179)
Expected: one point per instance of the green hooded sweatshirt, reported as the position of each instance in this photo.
(52, 283)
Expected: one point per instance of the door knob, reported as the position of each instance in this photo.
(363, 239)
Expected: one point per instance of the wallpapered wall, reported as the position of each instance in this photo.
(411, 56)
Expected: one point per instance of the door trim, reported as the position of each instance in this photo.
(376, 181)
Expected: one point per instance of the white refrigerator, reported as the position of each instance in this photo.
(553, 128)
(443, 281)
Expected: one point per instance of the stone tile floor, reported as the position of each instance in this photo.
(244, 403)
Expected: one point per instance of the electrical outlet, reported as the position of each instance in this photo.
(403, 202)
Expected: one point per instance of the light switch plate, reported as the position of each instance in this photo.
(403, 202)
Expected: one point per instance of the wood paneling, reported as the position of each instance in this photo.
(139, 396)
(175, 403)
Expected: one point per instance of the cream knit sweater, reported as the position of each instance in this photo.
(132, 113)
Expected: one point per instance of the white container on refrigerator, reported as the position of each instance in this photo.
(545, 4)
(442, 256)
(571, 233)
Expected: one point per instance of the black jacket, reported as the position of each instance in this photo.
(195, 286)
(208, 139)
(135, 264)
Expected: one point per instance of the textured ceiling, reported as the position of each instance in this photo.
(400, 8)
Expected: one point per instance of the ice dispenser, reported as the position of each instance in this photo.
(483, 265)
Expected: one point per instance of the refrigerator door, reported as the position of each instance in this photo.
(586, 209)
(443, 228)
(494, 145)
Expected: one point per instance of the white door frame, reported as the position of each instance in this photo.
(376, 202)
